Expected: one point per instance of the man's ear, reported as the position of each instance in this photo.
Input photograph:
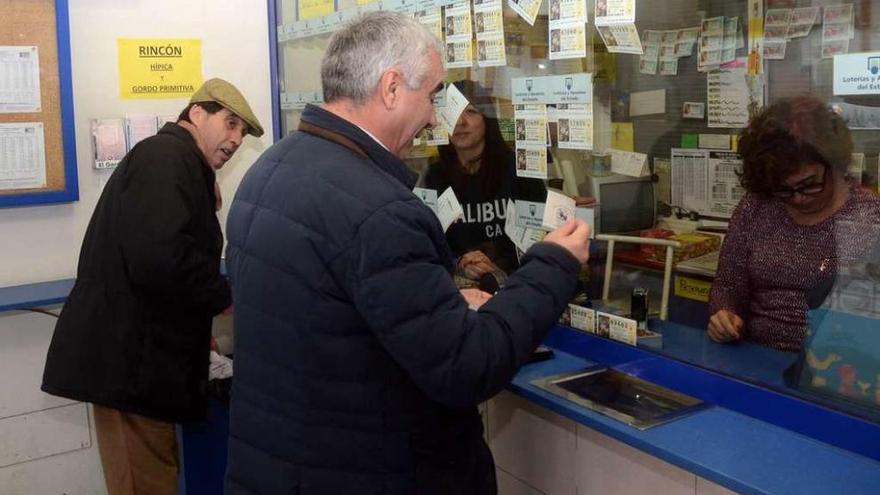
(390, 86)
(196, 113)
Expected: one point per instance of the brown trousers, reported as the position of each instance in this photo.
(139, 454)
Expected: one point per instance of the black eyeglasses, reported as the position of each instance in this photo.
(807, 190)
(813, 189)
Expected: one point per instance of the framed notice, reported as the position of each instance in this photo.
(38, 162)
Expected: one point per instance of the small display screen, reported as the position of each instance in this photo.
(626, 206)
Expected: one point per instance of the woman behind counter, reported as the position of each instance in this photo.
(480, 168)
(781, 239)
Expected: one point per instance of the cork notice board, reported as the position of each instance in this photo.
(44, 24)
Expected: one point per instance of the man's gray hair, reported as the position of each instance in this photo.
(366, 47)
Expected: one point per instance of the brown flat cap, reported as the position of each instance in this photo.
(224, 93)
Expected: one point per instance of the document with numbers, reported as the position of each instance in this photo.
(22, 156)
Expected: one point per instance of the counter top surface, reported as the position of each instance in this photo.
(730, 448)
(763, 451)
(34, 295)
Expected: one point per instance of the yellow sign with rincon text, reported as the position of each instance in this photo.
(159, 68)
(692, 288)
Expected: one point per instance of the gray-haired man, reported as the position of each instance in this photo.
(359, 364)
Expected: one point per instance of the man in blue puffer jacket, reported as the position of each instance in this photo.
(359, 364)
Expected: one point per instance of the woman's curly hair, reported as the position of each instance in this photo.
(787, 135)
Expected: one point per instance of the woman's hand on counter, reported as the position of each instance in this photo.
(725, 326)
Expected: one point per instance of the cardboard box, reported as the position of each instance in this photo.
(693, 244)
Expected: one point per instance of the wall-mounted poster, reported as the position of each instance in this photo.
(159, 68)
(19, 79)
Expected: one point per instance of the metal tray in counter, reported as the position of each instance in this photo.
(627, 398)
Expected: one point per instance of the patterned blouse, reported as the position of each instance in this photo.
(768, 263)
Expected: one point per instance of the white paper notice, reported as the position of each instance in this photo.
(582, 318)
(23, 157)
(459, 35)
(714, 141)
(459, 53)
(837, 29)
(629, 163)
(669, 67)
(531, 140)
(711, 43)
(529, 238)
(108, 141)
(521, 236)
(689, 179)
(531, 161)
(728, 96)
(615, 11)
(527, 9)
(19, 79)
(857, 74)
(431, 18)
(458, 20)
(448, 208)
(693, 110)
(802, 21)
(529, 214)
(567, 40)
(530, 125)
(558, 209)
(513, 231)
(567, 31)
(455, 104)
(706, 181)
(616, 327)
(621, 38)
(575, 126)
(614, 21)
(428, 196)
(725, 190)
(437, 135)
(621, 329)
(139, 127)
(491, 50)
(651, 52)
(647, 102)
(489, 27)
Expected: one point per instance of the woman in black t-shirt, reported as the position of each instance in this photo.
(480, 168)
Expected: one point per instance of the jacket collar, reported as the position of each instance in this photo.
(319, 122)
(182, 134)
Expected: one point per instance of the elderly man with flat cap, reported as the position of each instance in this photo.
(133, 337)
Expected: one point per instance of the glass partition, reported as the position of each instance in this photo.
(635, 116)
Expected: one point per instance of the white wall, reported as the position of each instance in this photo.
(42, 242)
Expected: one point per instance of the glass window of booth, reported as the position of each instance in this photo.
(745, 131)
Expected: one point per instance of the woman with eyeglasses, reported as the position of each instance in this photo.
(784, 235)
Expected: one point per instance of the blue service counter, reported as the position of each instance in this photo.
(753, 439)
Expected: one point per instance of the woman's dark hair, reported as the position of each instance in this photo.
(211, 107)
(787, 135)
(496, 153)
